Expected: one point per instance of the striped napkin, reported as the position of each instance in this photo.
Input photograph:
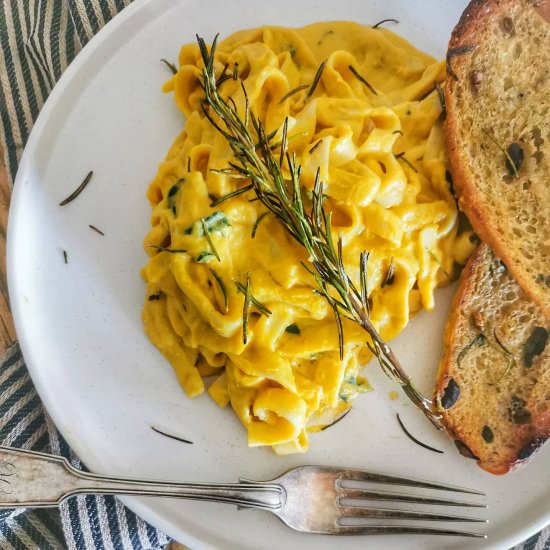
(38, 39)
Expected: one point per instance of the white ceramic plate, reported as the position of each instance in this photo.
(79, 323)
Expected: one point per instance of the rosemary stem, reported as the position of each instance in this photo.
(426, 405)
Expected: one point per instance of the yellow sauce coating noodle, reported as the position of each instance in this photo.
(379, 148)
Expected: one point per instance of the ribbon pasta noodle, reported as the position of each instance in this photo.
(372, 126)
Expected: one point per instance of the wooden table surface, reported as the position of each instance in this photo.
(7, 329)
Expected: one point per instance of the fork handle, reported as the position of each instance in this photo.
(32, 479)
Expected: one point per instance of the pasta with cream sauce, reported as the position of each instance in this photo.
(372, 126)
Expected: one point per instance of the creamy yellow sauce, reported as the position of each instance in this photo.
(379, 148)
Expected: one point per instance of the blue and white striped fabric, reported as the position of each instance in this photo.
(38, 39)
(82, 523)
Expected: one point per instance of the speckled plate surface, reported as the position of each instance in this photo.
(79, 323)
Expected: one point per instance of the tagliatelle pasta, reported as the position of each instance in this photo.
(372, 126)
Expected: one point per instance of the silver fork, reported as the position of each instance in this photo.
(314, 499)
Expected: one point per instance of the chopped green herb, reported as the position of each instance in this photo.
(65, 256)
(172, 192)
(215, 222)
(204, 257)
(293, 329)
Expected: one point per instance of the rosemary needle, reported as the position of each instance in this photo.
(362, 79)
(210, 243)
(94, 228)
(78, 190)
(171, 66)
(412, 438)
(171, 436)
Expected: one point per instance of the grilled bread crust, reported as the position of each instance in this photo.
(498, 106)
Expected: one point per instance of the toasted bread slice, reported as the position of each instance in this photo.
(494, 380)
(498, 132)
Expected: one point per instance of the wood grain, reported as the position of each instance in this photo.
(7, 330)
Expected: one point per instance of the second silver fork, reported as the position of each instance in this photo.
(314, 499)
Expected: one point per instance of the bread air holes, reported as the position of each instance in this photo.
(517, 232)
(508, 83)
(526, 253)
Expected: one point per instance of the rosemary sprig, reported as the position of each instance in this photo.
(312, 230)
